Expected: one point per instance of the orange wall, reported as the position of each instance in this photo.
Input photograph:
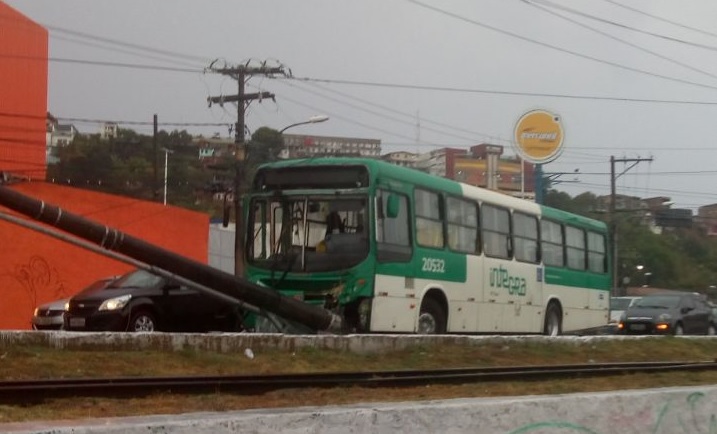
(23, 94)
(36, 268)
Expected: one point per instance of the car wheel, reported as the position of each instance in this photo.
(432, 319)
(711, 331)
(553, 321)
(679, 330)
(142, 321)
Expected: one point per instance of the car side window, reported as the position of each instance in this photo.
(688, 302)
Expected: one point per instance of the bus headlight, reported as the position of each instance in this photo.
(364, 314)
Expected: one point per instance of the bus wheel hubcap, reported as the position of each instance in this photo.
(426, 324)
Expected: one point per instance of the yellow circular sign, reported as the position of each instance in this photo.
(539, 136)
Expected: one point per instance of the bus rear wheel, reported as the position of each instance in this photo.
(553, 321)
(432, 318)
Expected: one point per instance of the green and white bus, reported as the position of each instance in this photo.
(396, 250)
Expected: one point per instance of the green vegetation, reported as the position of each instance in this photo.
(130, 165)
(678, 258)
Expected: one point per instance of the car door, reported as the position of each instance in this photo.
(693, 318)
(182, 309)
(703, 316)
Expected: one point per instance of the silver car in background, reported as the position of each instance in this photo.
(49, 316)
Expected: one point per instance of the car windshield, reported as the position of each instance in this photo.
(659, 301)
(618, 303)
(136, 279)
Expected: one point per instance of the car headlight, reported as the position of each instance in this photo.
(116, 303)
(664, 317)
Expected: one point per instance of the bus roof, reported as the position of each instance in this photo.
(379, 168)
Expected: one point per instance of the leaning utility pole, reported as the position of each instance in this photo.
(612, 222)
(242, 73)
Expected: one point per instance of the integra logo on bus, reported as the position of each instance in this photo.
(499, 278)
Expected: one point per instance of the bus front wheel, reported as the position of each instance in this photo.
(432, 318)
(553, 321)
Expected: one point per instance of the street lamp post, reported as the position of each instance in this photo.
(312, 120)
(166, 160)
(239, 226)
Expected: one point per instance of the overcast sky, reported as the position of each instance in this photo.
(629, 78)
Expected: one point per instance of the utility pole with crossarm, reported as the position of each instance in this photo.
(613, 223)
(242, 73)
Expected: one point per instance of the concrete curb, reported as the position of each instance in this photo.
(656, 411)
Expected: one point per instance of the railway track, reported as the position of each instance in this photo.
(28, 391)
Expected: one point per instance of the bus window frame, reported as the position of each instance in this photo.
(509, 235)
(604, 261)
(516, 237)
(561, 246)
(477, 248)
(389, 252)
(568, 248)
(432, 220)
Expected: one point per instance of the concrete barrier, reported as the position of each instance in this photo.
(237, 342)
(654, 411)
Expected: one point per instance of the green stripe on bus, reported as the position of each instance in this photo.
(576, 278)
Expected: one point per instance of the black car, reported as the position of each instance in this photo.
(673, 313)
(141, 301)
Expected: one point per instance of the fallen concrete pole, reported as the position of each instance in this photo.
(108, 238)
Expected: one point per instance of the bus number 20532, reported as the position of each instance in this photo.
(433, 265)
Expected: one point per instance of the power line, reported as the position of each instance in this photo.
(615, 38)
(675, 23)
(94, 38)
(626, 27)
(496, 92)
(384, 116)
(409, 116)
(379, 84)
(115, 121)
(120, 50)
(560, 49)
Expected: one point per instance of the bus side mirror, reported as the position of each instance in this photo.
(392, 206)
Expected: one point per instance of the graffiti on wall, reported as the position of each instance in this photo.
(37, 277)
(693, 414)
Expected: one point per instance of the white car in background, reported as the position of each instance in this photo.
(618, 306)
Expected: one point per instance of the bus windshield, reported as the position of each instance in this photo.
(307, 233)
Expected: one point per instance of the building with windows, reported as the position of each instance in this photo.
(707, 218)
(483, 166)
(401, 158)
(303, 146)
(109, 130)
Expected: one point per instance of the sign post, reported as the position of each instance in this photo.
(539, 139)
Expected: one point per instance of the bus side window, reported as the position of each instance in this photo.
(525, 232)
(392, 234)
(462, 225)
(429, 225)
(496, 231)
(575, 247)
(597, 255)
